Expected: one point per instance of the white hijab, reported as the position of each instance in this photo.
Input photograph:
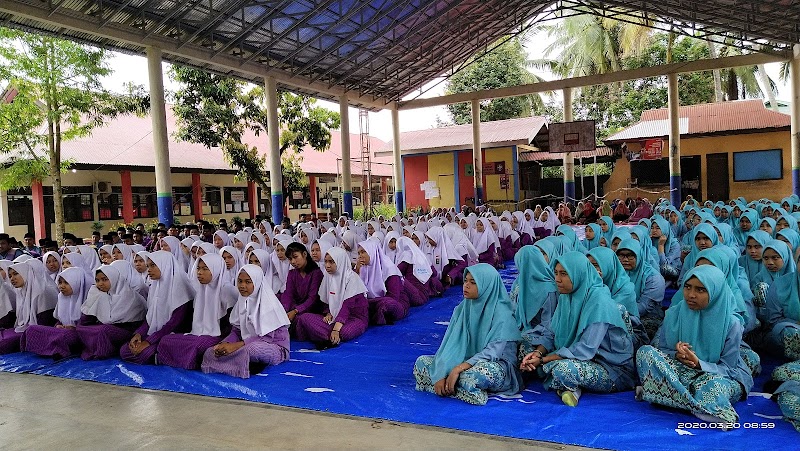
(280, 268)
(34, 297)
(261, 312)
(379, 269)
(411, 254)
(8, 299)
(120, 305)
(212, 300)
(342, 284)
(167, 293)
(68, 308)
(230, 274)
(132, 276)
(444, 250)
(90, 258)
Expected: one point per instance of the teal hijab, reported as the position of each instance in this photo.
(534, 283)
(611, 229)
(598, 233)
(742, 235)
(790, 220)
(616, 279)
(476, 322)
(574, 242)
(707, 230)
(791, 236)
(643, 270)
(771, 223)
(589, 303)
(549, 248)
(789, 265)
(787, 289)
(728, 239)
(650, 252)
(728, 264)
(622, 234)
(705, 330)
(667, 230)
(752, 267)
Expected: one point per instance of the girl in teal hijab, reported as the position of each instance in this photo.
(642, 235)
(619, 235)
(534, 290)
(783, 316)
(697, 365)
(478, 354)
(767, 225)
(548, 250)
(667, 247)
(587, 346)
(608, 228)
(596, 233)
(751, 260)
(748, 222)
(648, 284)
(705, 235)
(776, 261)
(574, 242)
(615, 278)
(786, 221)
(790, 237)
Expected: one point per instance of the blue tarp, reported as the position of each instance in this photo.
(372, 377)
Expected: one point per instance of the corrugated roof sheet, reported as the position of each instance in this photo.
(708, 118)
(600, 151)
(454, 136)
(127, 141)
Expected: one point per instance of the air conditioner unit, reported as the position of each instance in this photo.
(102, 187)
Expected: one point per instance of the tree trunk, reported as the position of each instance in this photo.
(55, 174)
(763, 78)
(712, 52)
(733, 86)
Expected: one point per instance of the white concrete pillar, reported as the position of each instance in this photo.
(347, 177)
(674, 141)
(273, 134)
(158, 115)
(477, 152)
(568, 160)
(397, 174)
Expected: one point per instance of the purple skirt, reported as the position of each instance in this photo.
(51, 341)
(102, 341)
(184, 351)
(9, 341)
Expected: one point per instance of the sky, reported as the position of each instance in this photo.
(130, 68)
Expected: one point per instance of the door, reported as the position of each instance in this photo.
(717, 176)
(690, 177)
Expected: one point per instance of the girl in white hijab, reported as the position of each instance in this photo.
(233, 262)
(416, 270)
(35, 301)
(221, 239)
(347, 313)
(484, 240)
(132, 276)
(168, 307)
(8, 300)
(111, 313)
(52, 265)
(444, 257)
(280, 266)
(62, 340)
(92, 261)
(260, 332)
(384, 284)
(173, 246)
(390, 247)
(350, 241)
(213, 300)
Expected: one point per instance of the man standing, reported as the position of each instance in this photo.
(31, 247)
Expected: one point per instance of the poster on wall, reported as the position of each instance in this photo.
(469, 171)
(500, 167)
(237, 196)
(503, 181)
(489, 168)
(651, 149)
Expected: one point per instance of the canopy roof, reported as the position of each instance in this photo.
(376, 51)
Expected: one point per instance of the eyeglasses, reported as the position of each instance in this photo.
(626, 256)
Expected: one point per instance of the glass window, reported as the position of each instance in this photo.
(144, 202)
(20, 207)
(182, 201)
(236, 200)
(109, 206)
(212, 202)
(78, 203)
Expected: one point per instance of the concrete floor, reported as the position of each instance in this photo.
(41, 413)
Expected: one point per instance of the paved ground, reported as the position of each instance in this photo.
(41, 413)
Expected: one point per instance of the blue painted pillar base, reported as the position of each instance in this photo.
(277, 208)
(569, 190)
(675, 190)
(398, 201)
(165, 209)
(347, 204)
(478, 195)
(796, 181)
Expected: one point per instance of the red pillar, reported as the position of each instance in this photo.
(252, 199)
(127, 197)
(39, 223)
(197, 197)
(312, 189)
(384, 190)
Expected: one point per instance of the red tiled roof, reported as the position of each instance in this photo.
(460, 136)
(127, 141)
(704, 119)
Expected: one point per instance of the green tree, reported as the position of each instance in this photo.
(504, 66)
(59, 97)
(217, 111)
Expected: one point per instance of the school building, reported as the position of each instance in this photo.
(728, 149)
(112, 180)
